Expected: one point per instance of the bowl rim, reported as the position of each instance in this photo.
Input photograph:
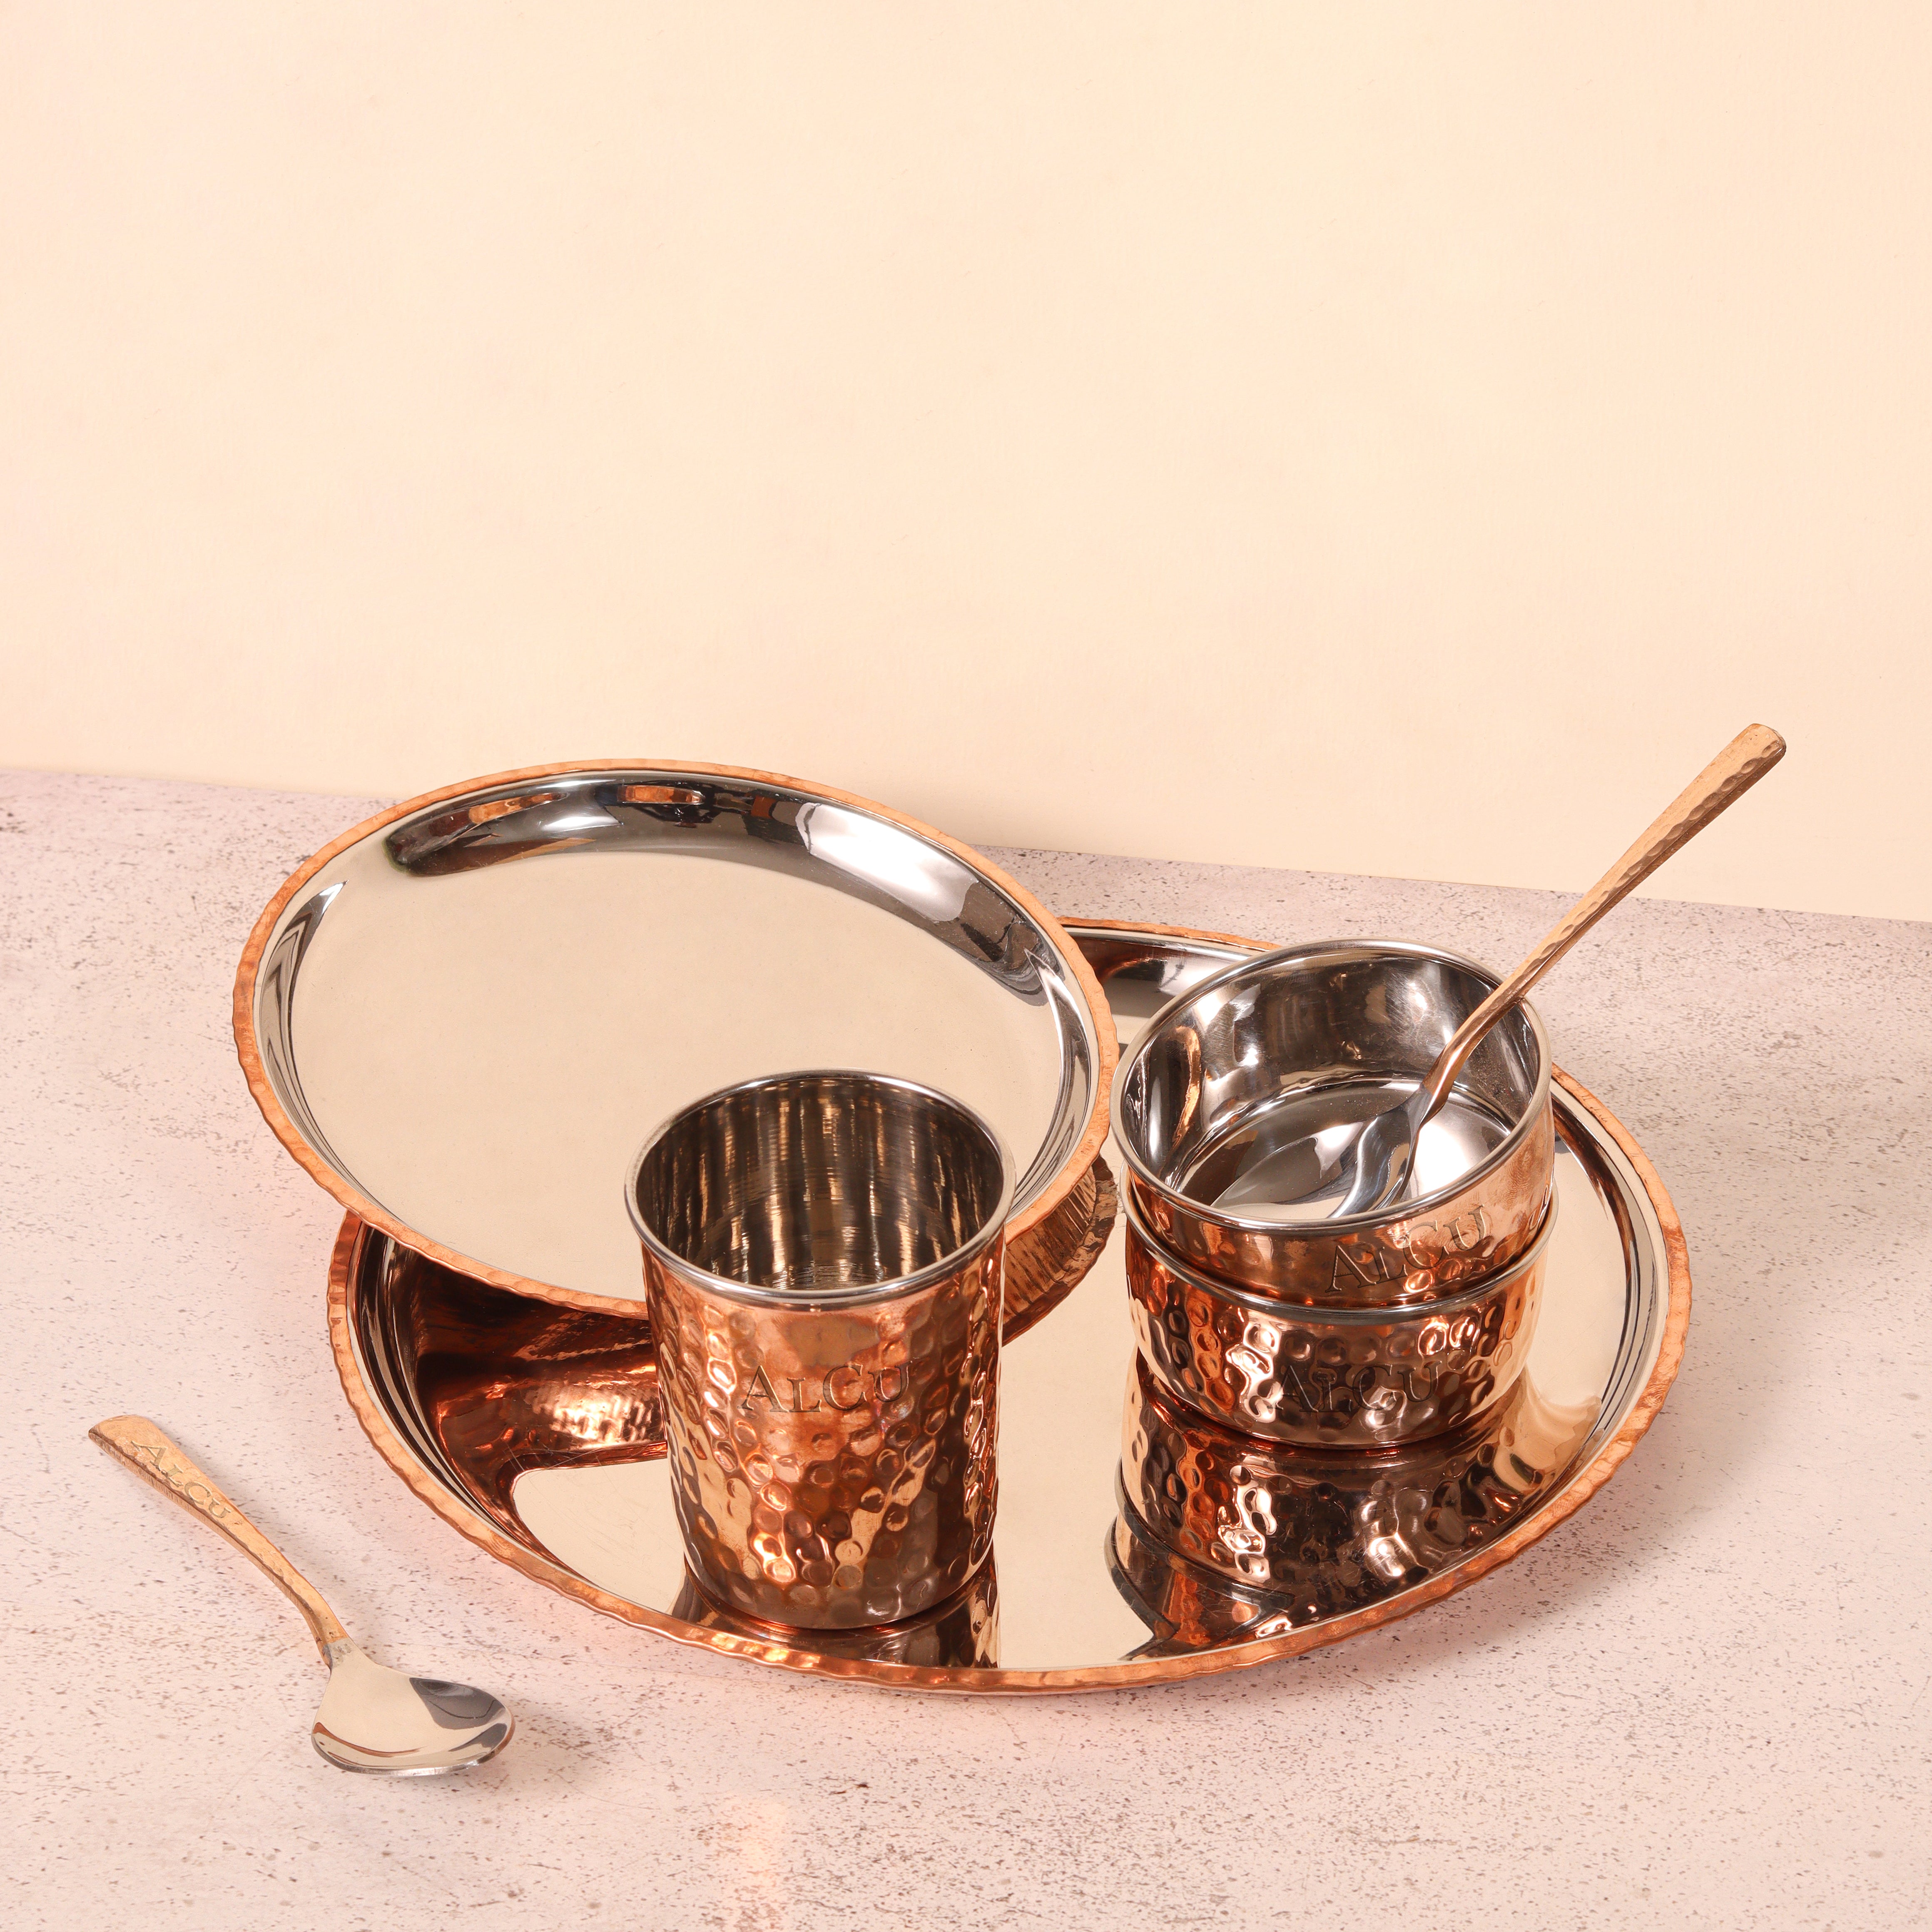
(1338, 1227)
(1336, 1314)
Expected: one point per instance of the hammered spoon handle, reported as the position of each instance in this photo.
(1719, 785)
(1382, 1159)
(144, 1448)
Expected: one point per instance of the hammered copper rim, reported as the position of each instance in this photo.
(248, 1050)
(1043, 1269)
(1127, 1672)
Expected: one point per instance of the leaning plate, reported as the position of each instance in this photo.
(464, 1016)
(536, 1432)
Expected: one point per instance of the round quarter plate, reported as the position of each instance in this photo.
(463, 1016)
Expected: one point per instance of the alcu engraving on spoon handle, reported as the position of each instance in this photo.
(137, 1442)
(1720, 784)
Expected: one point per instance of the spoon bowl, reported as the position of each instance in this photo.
(375, 1719)
(372, 1719)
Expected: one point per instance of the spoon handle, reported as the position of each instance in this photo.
(1721, 783)
(135, 1441)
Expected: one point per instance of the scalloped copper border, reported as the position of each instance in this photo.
(1079, 1158)
(1097, 1677)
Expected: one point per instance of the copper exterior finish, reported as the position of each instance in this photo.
(581, 1401)
(1044, 1236)
(822, 1255)
(1303, 1535)
(1046, 1266)
(1358, 1378)
(1214, 1065)
(961, 1634)
(832, 1470)
(140, 1445)
(1418, 1257)
(502, 1383)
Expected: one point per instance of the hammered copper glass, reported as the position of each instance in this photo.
(960, 1633)
(1359, 1378)
(822, 1264)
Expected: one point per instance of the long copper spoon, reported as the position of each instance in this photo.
(1374, 1167)
(372, 1718)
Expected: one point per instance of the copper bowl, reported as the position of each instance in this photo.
(1365, 1377)
(1315, 1533)
(1271, 1049)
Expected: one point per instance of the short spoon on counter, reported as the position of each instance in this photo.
(372, 1718)
(1371, 1168)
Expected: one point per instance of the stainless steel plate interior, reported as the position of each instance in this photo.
(464, 1016)
(536, 1431)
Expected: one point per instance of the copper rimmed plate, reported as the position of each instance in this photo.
(463, 1016)
(534, 1430)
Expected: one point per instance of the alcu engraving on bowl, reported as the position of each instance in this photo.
(1369, 1377)
(1415, 1246)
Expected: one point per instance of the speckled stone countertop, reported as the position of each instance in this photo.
(1703, 1700)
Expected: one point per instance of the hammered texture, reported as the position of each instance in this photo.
(961, 1633)
(1045, 1265)
(1294, 1374)
(1221, 1534)
(832, 1469)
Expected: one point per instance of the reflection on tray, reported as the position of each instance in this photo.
(1221, 1536)
(963, 1631)
(502, 1384)
(492, 1384)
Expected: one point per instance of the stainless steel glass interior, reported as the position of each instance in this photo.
(829, 1188)
(464, 1017)
(1246, 1063)
(822, 1265)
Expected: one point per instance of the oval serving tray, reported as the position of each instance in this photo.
(534, 1431)
(463, 1016)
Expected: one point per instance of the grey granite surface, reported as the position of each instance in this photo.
(1703, 1700)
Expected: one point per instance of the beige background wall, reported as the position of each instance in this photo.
(1406, 440)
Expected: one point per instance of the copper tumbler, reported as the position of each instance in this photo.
(962, 1633)
(824, 1256)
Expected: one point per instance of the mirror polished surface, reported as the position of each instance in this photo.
(464, 1017)
(1134, 1542)
(375, 1719)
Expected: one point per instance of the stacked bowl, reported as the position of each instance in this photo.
(1259, 1312)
